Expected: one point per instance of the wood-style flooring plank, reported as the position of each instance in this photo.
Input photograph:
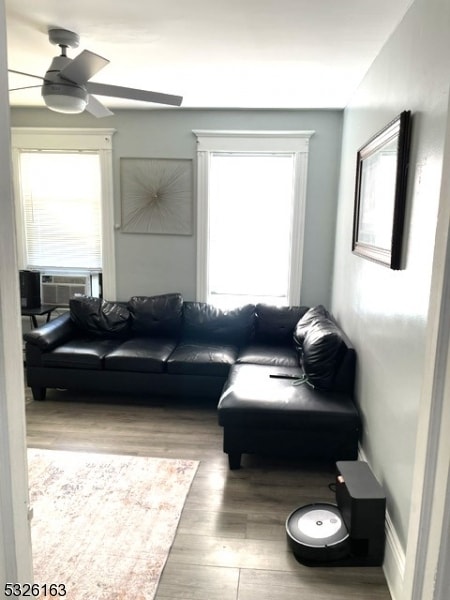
(362, 583)
(188, 582)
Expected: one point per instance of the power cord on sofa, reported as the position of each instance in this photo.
(295, 380)
(301, 380)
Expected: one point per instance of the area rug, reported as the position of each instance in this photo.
(103, 524)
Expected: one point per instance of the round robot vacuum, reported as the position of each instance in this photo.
(317, 532)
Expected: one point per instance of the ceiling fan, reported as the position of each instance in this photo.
(66, 87)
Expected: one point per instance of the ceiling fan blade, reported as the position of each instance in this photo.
(83, 67)
(26, 74)
(116, 91)
(25, 87)
(96, 108)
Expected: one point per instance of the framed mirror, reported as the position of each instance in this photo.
(381, 177)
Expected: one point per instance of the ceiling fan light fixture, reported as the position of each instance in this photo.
(65, 104)
(68, 88)
(64, 99)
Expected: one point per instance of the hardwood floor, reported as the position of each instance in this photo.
(230, 543)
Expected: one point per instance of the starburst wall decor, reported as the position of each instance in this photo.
(156, 195)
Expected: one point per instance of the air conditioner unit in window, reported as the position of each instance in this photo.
(59, 289)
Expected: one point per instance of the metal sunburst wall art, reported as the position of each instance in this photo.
(156, 195)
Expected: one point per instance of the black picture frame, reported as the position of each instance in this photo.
(380, 194)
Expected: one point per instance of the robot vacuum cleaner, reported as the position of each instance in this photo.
(348, 533)
(318, 532)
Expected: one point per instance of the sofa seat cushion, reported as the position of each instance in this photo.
(145, 355)
(80, 353)
(267, 354)
(253, 399)
(202, 358)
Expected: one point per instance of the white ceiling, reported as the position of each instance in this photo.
(215, 53)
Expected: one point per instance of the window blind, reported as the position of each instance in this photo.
(61, 197)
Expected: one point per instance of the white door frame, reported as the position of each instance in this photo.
(427, 573)
(15, 539)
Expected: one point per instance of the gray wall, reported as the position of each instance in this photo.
(153, 264)
(385, 312)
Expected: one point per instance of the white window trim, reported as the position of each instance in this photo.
(209, 141)
(99, 140)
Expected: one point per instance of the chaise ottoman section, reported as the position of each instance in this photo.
(265, 413)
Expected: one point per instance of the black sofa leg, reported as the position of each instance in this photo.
(234, 461)
(39, 393)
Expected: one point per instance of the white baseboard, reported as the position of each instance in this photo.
(394, 555)
(394, 560)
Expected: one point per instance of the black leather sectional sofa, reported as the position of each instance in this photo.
(282, 376)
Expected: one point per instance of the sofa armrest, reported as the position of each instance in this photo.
(52, 334)
(345, 375)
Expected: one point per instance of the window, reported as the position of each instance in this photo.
(251, 188)
(63, 190)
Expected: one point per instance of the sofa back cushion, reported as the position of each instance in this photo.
(323, 349)
(326, 355)
(156, 316)
(275, 324)
(312, 315)
(204, 322)
(100, 317)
